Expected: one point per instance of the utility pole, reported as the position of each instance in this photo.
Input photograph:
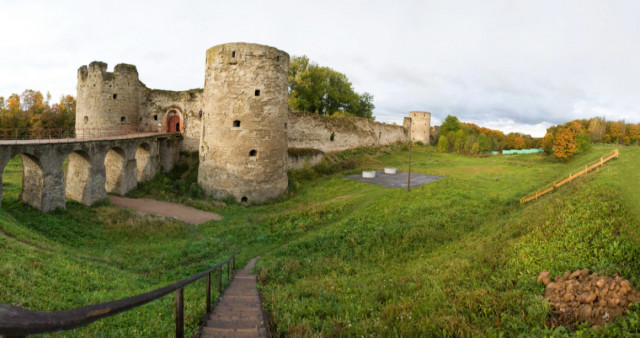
(410, 146)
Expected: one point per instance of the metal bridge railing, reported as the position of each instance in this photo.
(16, 321)
(61, 135)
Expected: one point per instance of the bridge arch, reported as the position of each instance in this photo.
(114, 164)
(32, 180)
(144, 162)
(77, 177)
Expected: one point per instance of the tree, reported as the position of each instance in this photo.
(324, 91)
(450, 123)
(547, 143)
(459, 141)
(13, 103)
(443, 144)
(565, 144)
(596, 129)
(584, 142)
(33, 101)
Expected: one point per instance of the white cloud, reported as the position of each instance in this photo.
(499, 63)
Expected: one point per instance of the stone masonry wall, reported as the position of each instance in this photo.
(188, 103)
(108, 100)
(339, 134)
(420, 126)
(243, 149)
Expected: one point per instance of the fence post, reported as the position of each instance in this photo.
(179, 313)
(219, 281)
(228, 275)
(208, 292)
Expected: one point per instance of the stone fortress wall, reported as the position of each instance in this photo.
(239, 123)
(342, 133)
(118, 99)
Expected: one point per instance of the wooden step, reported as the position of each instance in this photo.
(213, 332)
(237, 323)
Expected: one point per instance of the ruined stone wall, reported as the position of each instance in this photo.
(243, 148)
(189, 104)
(338, 134)
(420, 126)
(108, 100)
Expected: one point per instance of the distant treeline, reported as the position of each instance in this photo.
(561, 141)
(32, 110)
(469, 139)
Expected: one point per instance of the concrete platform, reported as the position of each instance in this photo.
(399, 180)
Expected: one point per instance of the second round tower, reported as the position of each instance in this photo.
(243, 144)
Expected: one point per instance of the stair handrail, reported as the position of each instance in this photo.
(17, 321)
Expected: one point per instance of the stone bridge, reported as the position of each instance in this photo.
(93, 167)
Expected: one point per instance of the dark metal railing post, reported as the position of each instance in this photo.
(228, 275)
(219, 281)
(179, 313)
(208, 292)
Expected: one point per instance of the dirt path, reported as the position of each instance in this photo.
(239, 312)
(168, 209)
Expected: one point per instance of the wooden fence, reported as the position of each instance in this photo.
(572, 176)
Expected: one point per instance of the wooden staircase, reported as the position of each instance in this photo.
(239, 311)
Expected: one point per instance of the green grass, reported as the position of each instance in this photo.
(458, 256)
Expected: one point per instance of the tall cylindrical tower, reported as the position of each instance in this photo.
(107, 100)
(243, 144)
(420, 126)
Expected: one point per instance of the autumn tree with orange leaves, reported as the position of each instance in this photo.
(564, 145)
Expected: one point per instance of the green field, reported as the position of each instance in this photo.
(455, 257)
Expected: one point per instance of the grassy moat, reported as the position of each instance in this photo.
(458, 256)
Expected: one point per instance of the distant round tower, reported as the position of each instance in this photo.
(107, 100)
(420, 126)
(243, 144)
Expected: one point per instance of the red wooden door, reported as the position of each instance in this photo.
(174, 124)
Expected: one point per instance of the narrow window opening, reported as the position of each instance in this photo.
(200, 114)
(233, 54)
(244, 199)
(278, 58)
(285, 125)
(332, 137)
(155, 117)
(253, 153)
(257, 92)
(141, 119)
(115, 96)
(123, 119)
(86, 119)
(236, 123)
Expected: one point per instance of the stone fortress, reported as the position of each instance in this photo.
(239, 123)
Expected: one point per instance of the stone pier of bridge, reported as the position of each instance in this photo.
(93, 167)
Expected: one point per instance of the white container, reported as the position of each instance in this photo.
(390, 171)
(368, 174)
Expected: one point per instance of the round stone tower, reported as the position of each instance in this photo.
(107, 101)
(420, 126)
(243, 144)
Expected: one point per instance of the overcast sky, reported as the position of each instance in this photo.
(510, 65)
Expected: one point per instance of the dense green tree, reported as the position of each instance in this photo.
(450, 123)
(324, 91)
(584, 142)
(443, 144)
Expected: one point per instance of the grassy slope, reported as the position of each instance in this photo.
(458, 256)
(447, 258)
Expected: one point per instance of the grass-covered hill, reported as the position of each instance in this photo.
(458, 256)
